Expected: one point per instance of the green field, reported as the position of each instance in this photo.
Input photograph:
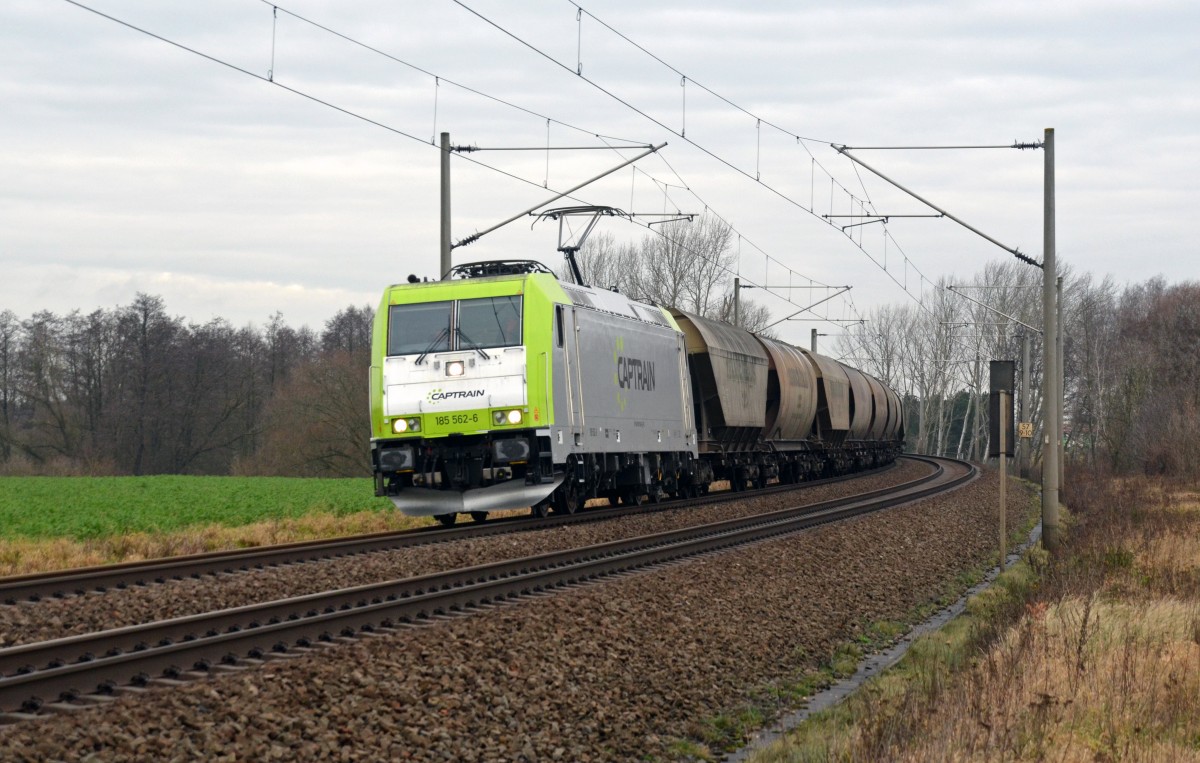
(84, 508)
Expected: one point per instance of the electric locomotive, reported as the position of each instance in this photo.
(500, 387)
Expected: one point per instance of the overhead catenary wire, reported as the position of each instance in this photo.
(428, 73)
(476, 236)
(799, 140)
(380, 124)
(741, 236)
(759, 120)
(579, 68)
(703, 149)
(545, 184)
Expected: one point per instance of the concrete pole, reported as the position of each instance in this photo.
(737, 295)
(814, 341)
(445, 262)
(1050, 388)
(1062, 390)
(1023, 444)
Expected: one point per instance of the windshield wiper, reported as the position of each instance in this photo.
(474, 347)
(441, 335)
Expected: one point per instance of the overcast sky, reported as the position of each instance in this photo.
(127, 164)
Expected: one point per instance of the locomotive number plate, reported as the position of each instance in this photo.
(454, 419)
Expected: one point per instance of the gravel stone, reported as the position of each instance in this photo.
(53, 618)
(607, 672)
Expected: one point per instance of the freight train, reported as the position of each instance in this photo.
(501, 387)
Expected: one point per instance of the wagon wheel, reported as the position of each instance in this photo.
(447, 520)
(632, 497)
(539, 509)
(479, 516)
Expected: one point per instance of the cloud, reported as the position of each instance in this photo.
(62, 289)
(132, 165)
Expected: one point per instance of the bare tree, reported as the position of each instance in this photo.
(349, 330)
(10, 328)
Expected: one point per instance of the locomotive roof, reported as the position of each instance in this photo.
(587, 297)
(615, 303)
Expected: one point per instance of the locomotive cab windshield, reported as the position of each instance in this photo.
(467, 324)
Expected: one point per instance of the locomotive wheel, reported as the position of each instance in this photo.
(479, 516)
(566, 500)
(447, 520)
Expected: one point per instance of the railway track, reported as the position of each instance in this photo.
(58, 584)
(59, 673)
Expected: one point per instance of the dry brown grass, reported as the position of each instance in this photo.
(1100, 662)
(1082, 679)
(27, 556)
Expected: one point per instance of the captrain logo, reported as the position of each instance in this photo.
(630, 373)
(437, 395)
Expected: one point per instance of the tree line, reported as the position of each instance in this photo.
(134, 390)
(1131, 354)
(1131, 361)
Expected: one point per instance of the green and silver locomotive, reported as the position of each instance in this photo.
(500, 387)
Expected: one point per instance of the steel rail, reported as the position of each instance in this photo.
(60, 583)
(67, 668)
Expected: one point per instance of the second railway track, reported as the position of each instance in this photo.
(58, 584)
(105, 662)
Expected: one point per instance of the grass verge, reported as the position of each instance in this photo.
(1094, 655)
(727, 731)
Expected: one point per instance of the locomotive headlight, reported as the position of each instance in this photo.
(399, 426)
(414, 425)
(455, 368)
(514, 417)
(498, 417)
